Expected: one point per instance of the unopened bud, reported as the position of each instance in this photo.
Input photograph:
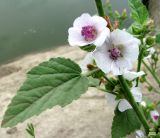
(117, 14)
(143, 103)
(137, 29)
(150, 40)
(124, 14)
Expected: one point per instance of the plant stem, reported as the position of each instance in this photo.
(100, 8)
(107, 79)
(140, 58)
(104, 90)
(89, 73)
(150, 85)
(152, 73)
(133, 103)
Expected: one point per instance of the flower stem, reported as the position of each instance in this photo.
(107, 79)
(133, 103)
(150, 85)
(140, 58)
(104, 90)
(152, 73)
(100, 8)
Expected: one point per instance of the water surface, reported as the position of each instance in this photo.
(32, 25)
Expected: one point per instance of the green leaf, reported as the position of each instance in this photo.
(158, 38)
(88, 48)
(93, 82)
(30, 130)
(138, 11)
(55, 82)
(124, 123)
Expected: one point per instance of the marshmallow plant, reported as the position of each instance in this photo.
(113, 65)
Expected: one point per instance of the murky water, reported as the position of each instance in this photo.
(33, 25)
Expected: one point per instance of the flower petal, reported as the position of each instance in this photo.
(131, 75)
(136, 92)
(99, 22)
(154, 115)
(130, 44)
(83, 20)
(102, 37)
(120, 66)
(75, 38)
(124, 105)
(120, 37)
(111, 99)
(131, 50)
(115, 69)
(139, 134)
(151, 51)
(102, 59)
(87, 60)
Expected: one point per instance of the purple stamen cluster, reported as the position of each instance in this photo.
(89, 33)
(155, 117)
(115, 53)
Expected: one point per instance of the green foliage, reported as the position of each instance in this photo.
(158, 38)
(124, 123)
(115, 15)
(55, 82)
(138, 11)
(98, 74)
(30, 130)
(88, 48)
(93, 82)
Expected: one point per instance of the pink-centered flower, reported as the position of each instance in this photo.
(154, 115)
(88, 30)
(118, 53)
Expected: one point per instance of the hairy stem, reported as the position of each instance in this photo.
(150, 85)
(104, 90)
(107, 79)
(133, 103)
(140, 58)
(152, 73)
(100, 8)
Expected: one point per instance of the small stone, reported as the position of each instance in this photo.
(12, 130)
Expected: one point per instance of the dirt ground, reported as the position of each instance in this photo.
(88, 117)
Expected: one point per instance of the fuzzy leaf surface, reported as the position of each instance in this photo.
(124, 123)
(55, 82)
(138, 11)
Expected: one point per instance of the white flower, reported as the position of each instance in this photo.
(151, 52)
(118, 53)
(154, 115)
(87, 60)
(123, 104)
(131, 75)
(88, 30)
(143, 103)
(140, 134)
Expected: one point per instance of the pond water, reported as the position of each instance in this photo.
(32, 25)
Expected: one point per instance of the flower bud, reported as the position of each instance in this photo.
(143, 103)
(150, 40)
(117, 14)
(154, 115)
(137, 29)
(124, 14)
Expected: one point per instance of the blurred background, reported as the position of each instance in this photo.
(34, 25)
